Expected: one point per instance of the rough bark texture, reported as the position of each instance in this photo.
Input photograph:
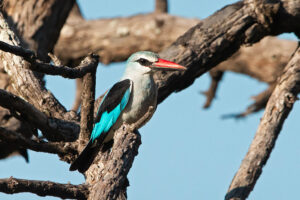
(220, 35)
(43, 188)
(26, 85)
(266, 67)
(87, 108)
(263, 61)
(116, 39)
(108, 173)
(279, 106)
(38, 22)
(200, 49)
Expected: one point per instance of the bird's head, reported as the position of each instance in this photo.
(146, 62)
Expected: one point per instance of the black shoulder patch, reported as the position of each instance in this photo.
(113, 97)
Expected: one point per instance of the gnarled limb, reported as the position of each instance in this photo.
(53, 129)
(108, 173)
(117, 38)
(89, 63)
(43, 188)
(38, 22)
(17, 139)
(32, 20)
(277, 110)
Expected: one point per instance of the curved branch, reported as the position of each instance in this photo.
(53, 129)
(43, 188)
(277, 110)
(220, 35)
(117, 38)
(59, 148)
(87, 65)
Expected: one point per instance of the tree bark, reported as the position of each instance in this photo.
(278, 108)
(116, 39)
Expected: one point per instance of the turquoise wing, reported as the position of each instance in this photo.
(111, 107)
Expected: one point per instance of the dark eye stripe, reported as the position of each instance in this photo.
(144, 62)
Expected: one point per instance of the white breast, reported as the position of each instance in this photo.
(143, 95)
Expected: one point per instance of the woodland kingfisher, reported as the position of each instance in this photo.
(127, 101)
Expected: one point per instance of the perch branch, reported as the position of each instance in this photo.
(277, 110)
(219, 36)
(108, 173)
(43, 188)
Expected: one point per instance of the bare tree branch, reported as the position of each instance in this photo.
(87, 107)
(220, 35)
(88, 65)
(43, 188)
(59, 148)
(53, 129)
(277, 110)
(108, 173)
(38, 22)
(117, 38)
(161, 6)
(24, 82)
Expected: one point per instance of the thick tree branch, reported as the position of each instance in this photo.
(23, 80)
(43, 188)
(108, 173)
(88, 65)
(117, 38)
(220, 35)
(278, 108)
(38, 22)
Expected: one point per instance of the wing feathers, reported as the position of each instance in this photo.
(112, 105)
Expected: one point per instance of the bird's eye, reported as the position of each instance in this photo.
(144, 62)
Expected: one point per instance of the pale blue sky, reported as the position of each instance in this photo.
(186, 152)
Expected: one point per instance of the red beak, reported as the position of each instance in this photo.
(165, 64)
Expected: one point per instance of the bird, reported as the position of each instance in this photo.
(127, 101)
